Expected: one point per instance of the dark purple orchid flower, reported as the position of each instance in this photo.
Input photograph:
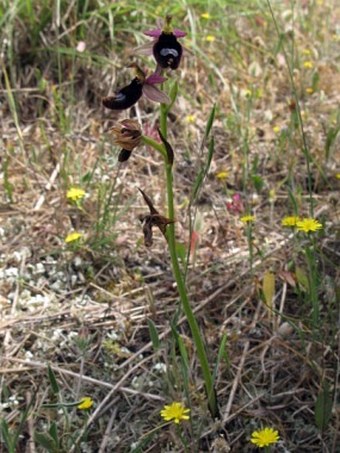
(166, 48)
(128, 96)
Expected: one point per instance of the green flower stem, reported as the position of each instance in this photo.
(155, 145)
(202, 355)
(249, 233)
(197, 338)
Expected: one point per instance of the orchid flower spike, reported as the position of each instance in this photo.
(128, 96)
(166, 48)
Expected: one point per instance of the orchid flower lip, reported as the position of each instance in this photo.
(167, 51)
(125, 97)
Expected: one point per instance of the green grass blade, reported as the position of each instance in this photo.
(153, 334)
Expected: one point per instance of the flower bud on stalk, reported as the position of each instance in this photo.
(127, 134)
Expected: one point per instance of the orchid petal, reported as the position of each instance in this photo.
(155, 78)
(179, 33)
(156, 95)
(155, 33)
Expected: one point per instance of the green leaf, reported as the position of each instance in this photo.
(87, 177)
(211, 149)
(181, 251)
(46, 441)
(210, 121)
(302, 279)
(183, 353)
(258, 182)
(173, 94)
(153, 334)
(53, 431)
(323, 407)
(197, 184)
(221, 352)
(53, 380)
(315, 80)
(7, 436)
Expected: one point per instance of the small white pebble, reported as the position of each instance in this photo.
(39, 268)
(28, 355)
(160, 367)
(77, 262)
(73, 280)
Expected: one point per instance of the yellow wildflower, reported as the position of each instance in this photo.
(306, 52)
(308, 225)
(290, 221)
(337, 176)
(71, 237)
(276, 129)
(75, 194)
(205, 16)
(308, 64)
(247, 219)
(222, 175)
(246, 93)
(309, 90)
(210, 38)
(272, 195)
(85, 403)
(190, 119)
(175, 412)
(265, 437)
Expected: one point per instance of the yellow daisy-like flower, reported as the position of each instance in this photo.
(74, 236)
(276, 129)
(265, 437)
(210, 38)
(75, 194)
(222, 175)
(175, 412)
(205, 16)
(290, 221)
(309, 90)
(190, 119)
(85, 403)
(308, 225)
(337, 176)
(308, 65)
(247, 219)
(306, 52)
